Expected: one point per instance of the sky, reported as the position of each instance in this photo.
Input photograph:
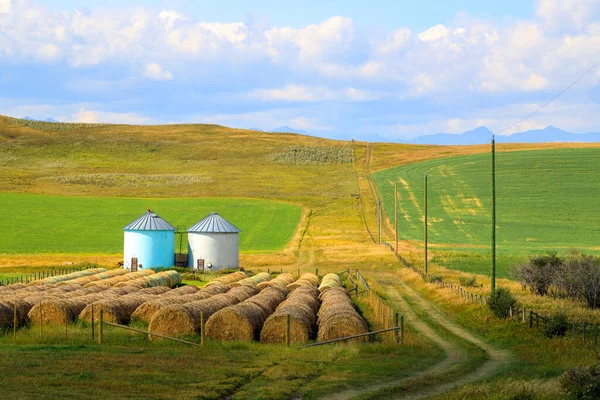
(338, 69)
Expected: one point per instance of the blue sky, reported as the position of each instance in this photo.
(337, 69)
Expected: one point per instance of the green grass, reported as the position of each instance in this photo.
(70, 224)
(547, 200)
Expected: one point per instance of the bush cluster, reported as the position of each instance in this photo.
(468, 281)
(54, 126)
(130, 180)
(576, 276)
(501, 302)
(582, 382)
(306, 155)
(557, 325)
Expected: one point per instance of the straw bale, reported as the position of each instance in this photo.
(56, 310)
(165, 278)
(253, 280)
(184, 319)
(229, 278)
(330, 281)
(216, 288)
(283, 280)
(121, 278)
(120, 308)
(96, 277)
(244, 321)
(302, 305)
(307, 279)
(146, 311)
(337, 316)
(67, 277)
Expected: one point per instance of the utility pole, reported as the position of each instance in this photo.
(379, 220)
(425, 223)
(396, 213)
(493, 281)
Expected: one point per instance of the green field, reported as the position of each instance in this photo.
(547, 201)
(69, 224)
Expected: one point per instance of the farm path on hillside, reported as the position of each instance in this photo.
(412, 304)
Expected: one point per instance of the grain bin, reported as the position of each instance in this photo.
(151, 240)
(214, 240)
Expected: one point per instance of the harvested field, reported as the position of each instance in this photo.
(244, 321)
(60, 278)
(122, 278)
(302, 305)
(330, 281)
(184, 319)
(253, 280)
(282, 280)
(338, 318)
(56, 311)
(165, 278)
(118, 310)
(229, 278)
(308, 279)
(96, 277)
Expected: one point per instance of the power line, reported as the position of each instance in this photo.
(552, 99)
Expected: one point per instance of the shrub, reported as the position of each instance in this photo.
(435, 278)
(501, 302)
(468, 281)
(538, 273)
(582, 382)
(556, 325)
(313, 155)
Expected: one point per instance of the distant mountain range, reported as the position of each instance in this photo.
(42, 120)
(483, 135)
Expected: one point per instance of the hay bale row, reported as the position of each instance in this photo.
(96, 277)
(308, 279)
(118, 310)
(330, 281)
(244, 321)
(56, 311)
(229, 278)
(184, 319)
(11, 287)
(165, 278)
(283, 280)
(146, 311)
(253, 280)
(337, 316)
(129, 276)
(52, 280)
(24, 304)
(302, 305)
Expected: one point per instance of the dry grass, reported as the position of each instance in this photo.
(338, 318)
(301, 305)
(184, 319)
(243, 321)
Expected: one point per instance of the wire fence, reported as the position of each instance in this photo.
(34, 276)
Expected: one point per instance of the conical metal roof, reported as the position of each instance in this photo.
(214, 223)
(150, 221)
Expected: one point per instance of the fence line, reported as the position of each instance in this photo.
(40, 275)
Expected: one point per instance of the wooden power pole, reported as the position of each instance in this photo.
(396, 213)
(425, 222)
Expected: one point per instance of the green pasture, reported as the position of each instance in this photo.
(546, 201)
(69, 224)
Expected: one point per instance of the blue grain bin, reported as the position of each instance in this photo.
(151, 240)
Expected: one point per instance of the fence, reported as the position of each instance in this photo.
(40, 275)
(384, 316)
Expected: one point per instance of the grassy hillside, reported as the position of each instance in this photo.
(547, 200)
(70, 224)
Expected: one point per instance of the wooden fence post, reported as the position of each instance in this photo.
(15, 321)
(41, 323)
(66, 327)
(93, 323)
(287, 330)
(101, 330)
(202, 329)
(396, 333)
(531, 319)
(402, 329)
(317, 271)
(524, 313)
(298, 272)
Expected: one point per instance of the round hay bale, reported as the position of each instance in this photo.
(283, 280)
(121, 278)
(184, 319)
(146, 311)
(330, 281)
(302, 305)
(337, 316)
(229, 278)
(253, 280)
(308, 279)
(216, 288)
(243, 321)
(52, 280)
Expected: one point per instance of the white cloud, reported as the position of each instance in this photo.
(96, 116)
(5, 6)
(434, 33)
(302, 93)
(156, 72)
(565, 14)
